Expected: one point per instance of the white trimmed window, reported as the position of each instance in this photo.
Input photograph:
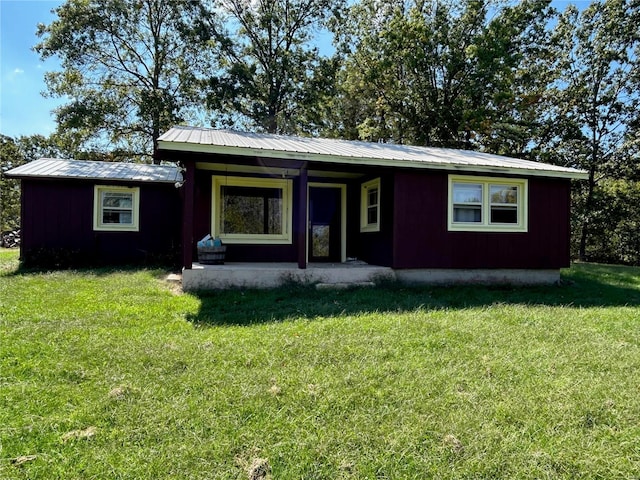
(487, 204)
(116, 208)
(370, 206)
(252, 210)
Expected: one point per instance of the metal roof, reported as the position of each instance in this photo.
(78, 169)
(207, 140)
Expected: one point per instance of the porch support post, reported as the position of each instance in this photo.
(302, 217)
(187, 214)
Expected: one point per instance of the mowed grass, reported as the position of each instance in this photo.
(114, 374)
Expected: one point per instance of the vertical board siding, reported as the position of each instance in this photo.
(57, 220)
(376, 248)
(423, 241)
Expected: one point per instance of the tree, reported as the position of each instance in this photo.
(443, 73)
(272, 78)
(595, 101)
(10, 157)
(128, 70)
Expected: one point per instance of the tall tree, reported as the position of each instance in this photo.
(443, 73)
(127, 70)
(273, 79)
(596, 99)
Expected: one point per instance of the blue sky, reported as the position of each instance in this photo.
(23, 110)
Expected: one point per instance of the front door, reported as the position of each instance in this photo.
(325, 223)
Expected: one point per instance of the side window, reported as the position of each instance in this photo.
(370, 206)
(116, 208)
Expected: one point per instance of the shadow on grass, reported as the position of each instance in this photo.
(584, 285)
(15, 268)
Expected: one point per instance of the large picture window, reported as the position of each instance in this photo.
(251, 210)
(370, 206)
(116, 208)
(487, 204)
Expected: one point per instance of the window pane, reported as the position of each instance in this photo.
(467, 214)
(117, 200)
(372, 215)
(372, 195)
(504, 215)
(116, 217)
(251, 210)
(467, 193)
(504, 194)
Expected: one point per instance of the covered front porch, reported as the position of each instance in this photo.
(282, 216)
(269, 275)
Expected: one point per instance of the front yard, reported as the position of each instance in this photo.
(114, 374)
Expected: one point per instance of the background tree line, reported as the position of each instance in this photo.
(516, 78)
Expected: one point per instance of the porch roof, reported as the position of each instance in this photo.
(228, 142)
(95, 170)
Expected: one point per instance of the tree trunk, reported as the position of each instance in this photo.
(588, 205)
(155, 135)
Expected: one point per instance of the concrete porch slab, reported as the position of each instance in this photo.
(270, 275)
(350, 274)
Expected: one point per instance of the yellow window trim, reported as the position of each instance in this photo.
(485, 225)
(365, 226)
(287, 215)
(134, 226)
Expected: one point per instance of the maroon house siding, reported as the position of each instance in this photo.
(57, 221)
(423, 241)
(376, 248)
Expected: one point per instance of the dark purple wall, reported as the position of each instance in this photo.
(376, 248)
(413, 230)
(422, 240)
(57, 225)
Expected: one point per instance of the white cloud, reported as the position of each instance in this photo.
(18, 71)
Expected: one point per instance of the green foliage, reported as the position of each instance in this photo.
(128, 69)
(10, 157)
(111, 374)
(273, 79)
(614, 222)
(442, 73)
(594, 104)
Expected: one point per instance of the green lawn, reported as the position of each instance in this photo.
(113, 374)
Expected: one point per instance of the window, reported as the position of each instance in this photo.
(370, 206)
(251, 210)
(115, 208)
(487, 204)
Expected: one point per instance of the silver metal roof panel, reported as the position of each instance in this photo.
(78, 169)
(207, 140)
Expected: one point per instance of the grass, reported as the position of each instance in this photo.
(111, 374)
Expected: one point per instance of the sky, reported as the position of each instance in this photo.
(23, 109)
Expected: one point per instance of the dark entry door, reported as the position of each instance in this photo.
(324, 224)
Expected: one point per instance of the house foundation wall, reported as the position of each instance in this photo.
(477, 277)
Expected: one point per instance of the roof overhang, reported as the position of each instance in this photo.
(53, 168)
(293, 148)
